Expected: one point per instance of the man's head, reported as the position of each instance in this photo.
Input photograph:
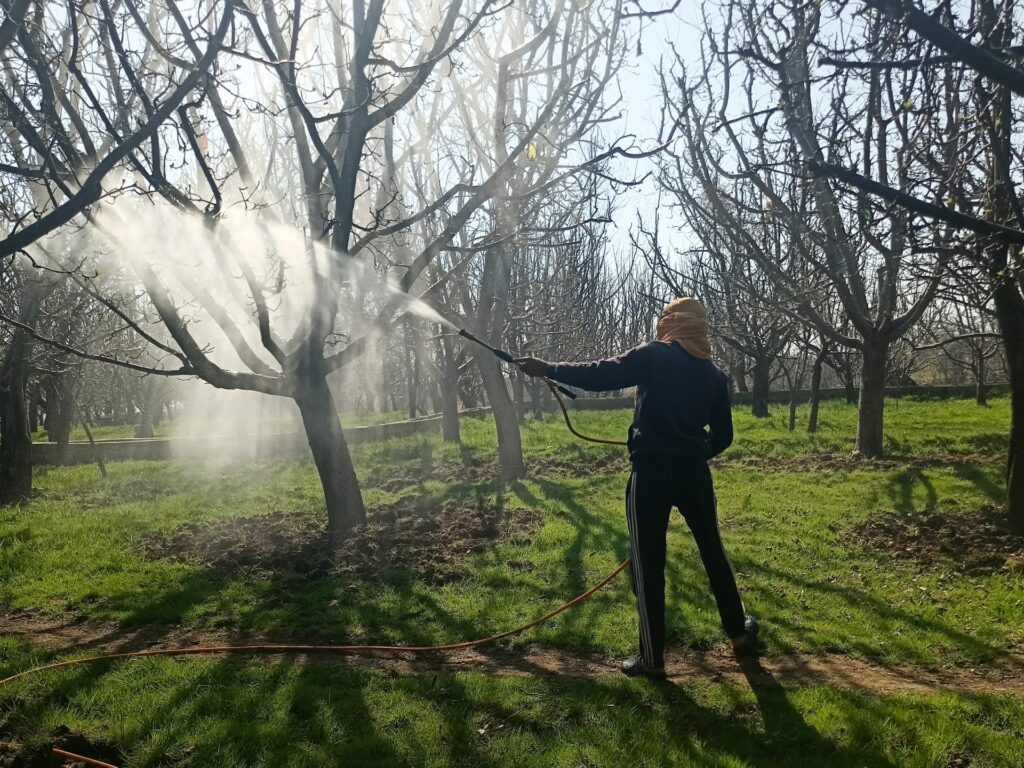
(685, 321)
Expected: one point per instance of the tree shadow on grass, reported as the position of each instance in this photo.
(982, 480)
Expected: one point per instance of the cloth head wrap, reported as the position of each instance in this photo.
(685, 321)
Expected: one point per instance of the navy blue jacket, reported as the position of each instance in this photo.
(682, 410)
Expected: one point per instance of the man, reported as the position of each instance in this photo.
(681, 419)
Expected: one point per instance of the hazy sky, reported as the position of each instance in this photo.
(641, 115)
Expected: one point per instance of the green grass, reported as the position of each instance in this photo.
(74, 550)
(234, 712)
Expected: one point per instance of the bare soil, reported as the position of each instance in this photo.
(12, 755)
(978, 542)
(844, 462)
(477, 471)
(412, 536)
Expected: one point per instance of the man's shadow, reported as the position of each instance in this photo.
(787, 738)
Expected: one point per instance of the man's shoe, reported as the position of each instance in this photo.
(635, 667)
(750, 645)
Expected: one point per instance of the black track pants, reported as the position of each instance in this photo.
(650, 495)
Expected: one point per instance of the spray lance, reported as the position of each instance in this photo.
(501, 354)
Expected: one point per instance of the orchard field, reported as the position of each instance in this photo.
(890, 595)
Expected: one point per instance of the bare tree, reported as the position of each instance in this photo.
(979, 169)
(282, 320)
(744, 150)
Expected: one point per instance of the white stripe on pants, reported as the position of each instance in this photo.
(636, 570)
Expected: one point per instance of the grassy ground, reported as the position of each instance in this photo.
(788, 521)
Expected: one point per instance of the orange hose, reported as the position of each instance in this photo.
(271, 648)
(268, 648)
(81, 758)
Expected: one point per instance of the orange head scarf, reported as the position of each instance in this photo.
(685, 321)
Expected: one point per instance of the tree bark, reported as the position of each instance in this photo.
(1006, 286)
(1015, 456)
(1009, 305)
(850, 387)
(980, 376)
(760, 380)
(740, 377)
(793, 393)
(412, 367)
(812, 419)
(506, 419)
(149, 416)
(537, 392)
(59, 418)
(345, 508)
(871, 407)
(519, 398)
(15, 437)
(450, 429)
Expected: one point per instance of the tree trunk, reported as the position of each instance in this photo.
(450, 429)
(467, 394)
(412, 367)
(871, 408)
(793, 393)
(812, 419)
(1009, 305)
(151, 405)
(506, 420)
(850, 387)
(537, 392)
(841, 364)
(740, 377)
(384, 393)
(760, 379)
(15, 437)
(981, 387)
(345, 508)
(59, 418)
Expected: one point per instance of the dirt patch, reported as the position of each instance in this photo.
(1004, 674)
(424, 539)
(838, 462)
(14, 755)
(976, 543)
(579, 466)
(470, 471)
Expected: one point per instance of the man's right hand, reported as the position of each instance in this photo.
(533, 366)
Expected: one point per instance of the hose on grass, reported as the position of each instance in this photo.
(341, 650)
(346, 650)
(71, 756)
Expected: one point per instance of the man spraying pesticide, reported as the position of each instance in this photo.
(681, 419)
